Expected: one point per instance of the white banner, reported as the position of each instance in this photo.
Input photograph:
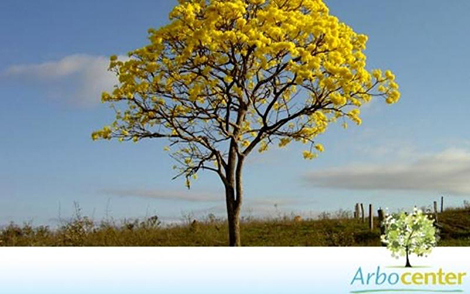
(230, 270)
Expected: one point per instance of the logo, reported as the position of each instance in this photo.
(405, 234)
(407, 280)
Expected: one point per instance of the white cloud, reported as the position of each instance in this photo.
(262, 207)
(198, 196)
(445, 172)
(257, 207)
(76, 79)
(167, 195)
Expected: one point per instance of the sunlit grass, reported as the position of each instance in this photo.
(327, 230)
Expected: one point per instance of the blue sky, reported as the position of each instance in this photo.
(53, 61)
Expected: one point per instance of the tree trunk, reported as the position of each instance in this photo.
(234, 192)
(407, 258)
(233, 217)
(234, 230)
(234, 196)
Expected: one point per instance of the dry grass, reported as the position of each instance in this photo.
(337, 230)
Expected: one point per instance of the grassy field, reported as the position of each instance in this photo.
(337, 230)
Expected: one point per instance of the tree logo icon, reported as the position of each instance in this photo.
(406, 234)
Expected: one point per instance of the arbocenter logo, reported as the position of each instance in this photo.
(405, 280)
(407, 234)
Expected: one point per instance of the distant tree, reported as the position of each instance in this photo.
(409, 233)
(227, 77)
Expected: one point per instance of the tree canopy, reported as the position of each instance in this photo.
(224, 78)
(251, 72)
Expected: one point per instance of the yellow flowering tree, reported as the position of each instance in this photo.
(225, 78)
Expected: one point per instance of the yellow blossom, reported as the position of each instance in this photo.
(309, 155)
(319, 147)
(223, 72)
